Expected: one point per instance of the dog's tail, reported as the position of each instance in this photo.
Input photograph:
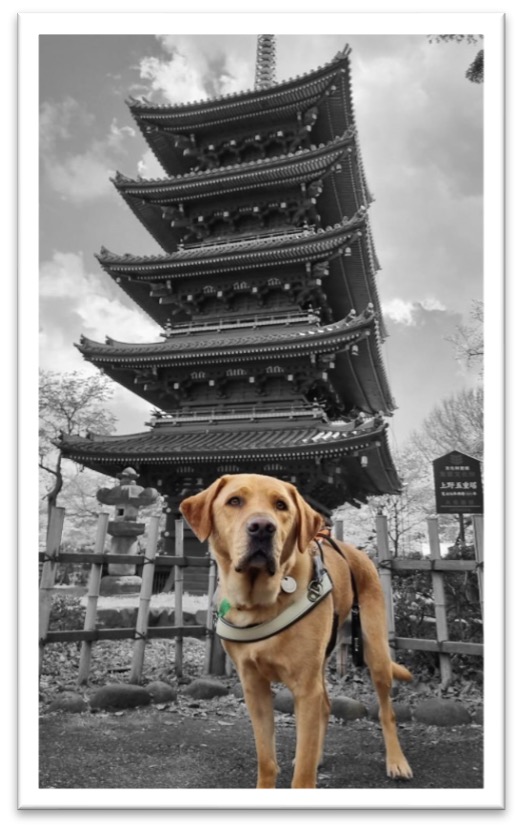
(401, 673)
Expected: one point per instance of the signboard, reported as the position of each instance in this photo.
(457, 481)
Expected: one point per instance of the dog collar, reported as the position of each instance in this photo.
(318, 589)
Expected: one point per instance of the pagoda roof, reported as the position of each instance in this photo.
(147, 198)
(250, 109)
(355, 277)
(250, 446)
(216, 344)
(293, 167)
(236, 254)
(361, 380)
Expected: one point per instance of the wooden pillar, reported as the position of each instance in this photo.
(47, 581)
(179, 592)
(438, 587)
(477, 521)
(148, 573)
(385, 575)
(92, 599)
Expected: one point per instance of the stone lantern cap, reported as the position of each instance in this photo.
(128, 496)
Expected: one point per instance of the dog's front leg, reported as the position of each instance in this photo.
(259, 700)
(312, 710)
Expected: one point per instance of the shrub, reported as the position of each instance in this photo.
(67, 614)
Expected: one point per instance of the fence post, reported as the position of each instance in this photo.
(477, 521)
(215, 658)
(179, 590)
(338, 528)
(438, 586)
(47, 581)
(146, 587)
(385, 575)
(92, 599)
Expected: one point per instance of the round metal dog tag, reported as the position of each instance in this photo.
(288, 584)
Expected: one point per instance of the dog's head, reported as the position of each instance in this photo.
(256, 525)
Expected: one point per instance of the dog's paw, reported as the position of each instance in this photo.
(399, 769)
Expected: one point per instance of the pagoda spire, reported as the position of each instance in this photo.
(265, 62)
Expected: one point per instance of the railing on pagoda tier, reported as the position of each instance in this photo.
(222, 323)
(124, 530)
(239, 413)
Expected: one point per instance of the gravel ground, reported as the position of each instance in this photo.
(209, 744)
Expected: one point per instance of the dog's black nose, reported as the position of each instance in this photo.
(261, 528)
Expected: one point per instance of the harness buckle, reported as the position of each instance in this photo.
(314, 590)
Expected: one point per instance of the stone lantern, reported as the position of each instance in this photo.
(127, 498)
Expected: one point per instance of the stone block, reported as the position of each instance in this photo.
(68, 702)
(161, 692)
(347, 709)
(441, 712)
(206, 688)
(116, 696)
(283, 701)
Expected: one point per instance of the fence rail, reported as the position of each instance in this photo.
(387, 566)
(142, 633)
(438, 568)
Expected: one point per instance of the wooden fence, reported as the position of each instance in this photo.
(438, 568)
(52, 557)
(214, 657)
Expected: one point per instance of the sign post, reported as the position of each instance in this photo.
(458, 486)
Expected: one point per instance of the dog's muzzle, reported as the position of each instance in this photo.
(260, 531)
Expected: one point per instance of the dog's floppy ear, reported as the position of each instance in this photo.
(197, 509)
(309, 522)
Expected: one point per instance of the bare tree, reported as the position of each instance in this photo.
(468, 339)
(70, 403)
(456, 423)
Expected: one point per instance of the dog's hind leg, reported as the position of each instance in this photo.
(259, 701)
(380, 668)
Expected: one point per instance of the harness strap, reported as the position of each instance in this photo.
(317, 590)
(356, 637)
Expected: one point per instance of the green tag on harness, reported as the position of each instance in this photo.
(224, 608)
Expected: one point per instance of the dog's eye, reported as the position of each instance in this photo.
(235, 501)
(280, 505)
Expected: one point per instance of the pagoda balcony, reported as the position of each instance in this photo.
(240, 414)
(251, 322)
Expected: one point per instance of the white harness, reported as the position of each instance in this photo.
(319, 587)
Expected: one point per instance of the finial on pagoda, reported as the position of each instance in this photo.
(265, 62)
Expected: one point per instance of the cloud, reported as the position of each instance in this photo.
(74, 301)
(399, 311)
(149, 168)
(84, 176)
(408, 312)
(190, 73)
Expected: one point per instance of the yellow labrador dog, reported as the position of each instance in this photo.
(277, 607)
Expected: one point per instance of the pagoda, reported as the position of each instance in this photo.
(269, 356)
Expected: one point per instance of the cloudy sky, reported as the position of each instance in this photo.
(420, 127)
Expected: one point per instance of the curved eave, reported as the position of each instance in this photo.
(293, 167)
(170, 447)
(296, 247)
(216, 347)
(364, 377)
(251, 107)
